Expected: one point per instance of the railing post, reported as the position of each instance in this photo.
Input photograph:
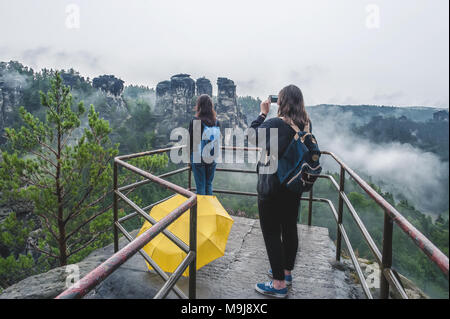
(340, 214)
(387, 255)
(310, 207)
(115, 209)
(190, 177)
(193, 248)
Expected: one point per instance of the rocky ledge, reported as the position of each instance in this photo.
(231, 276)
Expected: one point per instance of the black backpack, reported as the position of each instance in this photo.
(298, 162)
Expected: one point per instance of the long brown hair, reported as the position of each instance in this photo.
(205, 110)
(292, 105)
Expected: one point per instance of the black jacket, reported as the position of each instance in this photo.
(285, 132)
(268, 184)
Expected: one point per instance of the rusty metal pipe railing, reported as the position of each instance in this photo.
(392, 216)
(386, 259)
(152, 221)
(152, 263)
(419, 239)
(146, 181)
(131, 215)
(96, 276)
(359, 272)
(310, 201)
(173, 187)
(120, 256)
(171, 281)
(371, 244)
(193, 244)
(232, 170)
(392, 279)
(340, 215)
(147, 153)
(115, 208)
(439, 258)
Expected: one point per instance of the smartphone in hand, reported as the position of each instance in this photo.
(273, 98)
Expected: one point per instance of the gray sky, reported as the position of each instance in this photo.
(342, 52)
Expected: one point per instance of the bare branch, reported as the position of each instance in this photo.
(87, 221)
(85, 244)
(75, 210)
(43, 251)
(47, 223)
(47, 146)
(43, 157)
(31, 182)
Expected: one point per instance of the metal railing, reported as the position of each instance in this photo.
(389, 277)
(391, 215)
(134, 246)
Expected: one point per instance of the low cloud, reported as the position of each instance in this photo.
(14, 80)
(307, 75)
(407, 172)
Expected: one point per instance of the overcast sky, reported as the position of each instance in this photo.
(343, 52)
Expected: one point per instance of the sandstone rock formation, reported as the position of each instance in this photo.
(204, 86)
(228, 112)
(175, 102)
(108, 83)
(175, 97)
(174, 105)
(111, 107)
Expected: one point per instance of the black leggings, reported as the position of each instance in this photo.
(278, 218)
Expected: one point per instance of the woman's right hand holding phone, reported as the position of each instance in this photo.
(265, 106)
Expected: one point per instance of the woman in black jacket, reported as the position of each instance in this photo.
(278, 207)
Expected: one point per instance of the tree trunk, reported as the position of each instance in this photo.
(61, 225)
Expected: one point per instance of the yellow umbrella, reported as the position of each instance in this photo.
(213, 226)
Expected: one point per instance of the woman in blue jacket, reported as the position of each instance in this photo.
(203, 166)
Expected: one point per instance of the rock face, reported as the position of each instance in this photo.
(108, 83)
(49, 284)
(174, 105)
(228, 112)
(204, 86)
(111, 107)
(175, 97)
(372, 275)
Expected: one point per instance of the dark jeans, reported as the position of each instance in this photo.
(278, 218)
(203, 176)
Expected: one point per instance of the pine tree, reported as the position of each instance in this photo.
(65, 176)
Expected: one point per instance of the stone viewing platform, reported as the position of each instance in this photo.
(232, 276)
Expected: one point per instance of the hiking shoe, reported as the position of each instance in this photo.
(287, 278)
(266, 288)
